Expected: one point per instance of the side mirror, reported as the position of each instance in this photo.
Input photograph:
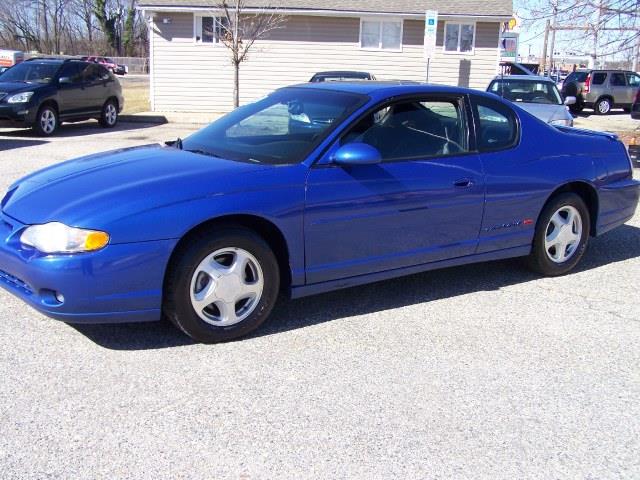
(357, 154)
(64, 80)
(570, 100)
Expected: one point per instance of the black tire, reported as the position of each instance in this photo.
(539, 259)
(109, 115)
(46, 121)
(177, 306)
(576, 108)
(603, 106)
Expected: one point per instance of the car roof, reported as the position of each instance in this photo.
(388, 88)
(528, 78)
(46, 60)
(342, 72)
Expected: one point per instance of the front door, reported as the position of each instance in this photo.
(422, 204)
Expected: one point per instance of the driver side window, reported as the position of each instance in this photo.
(413, 129)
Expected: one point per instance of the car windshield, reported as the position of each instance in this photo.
(280, 129)
(108, 60)
(527, 91)
(30, 72)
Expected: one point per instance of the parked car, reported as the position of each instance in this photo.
(341, 76)
(602, 90)
(42, 93)
(634, 147)
(109, 64)
(537, 95)
(399, 179)
(635, 108)
(514, 68)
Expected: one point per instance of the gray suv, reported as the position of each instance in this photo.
(601, 90)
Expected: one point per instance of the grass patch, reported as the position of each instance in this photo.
(136, 98)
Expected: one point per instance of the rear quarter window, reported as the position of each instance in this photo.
(599, 78)
(497, 128)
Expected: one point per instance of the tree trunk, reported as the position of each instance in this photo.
(236, 85)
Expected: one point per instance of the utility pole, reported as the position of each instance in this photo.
(543, 60)
(596, 31)
(553, 34)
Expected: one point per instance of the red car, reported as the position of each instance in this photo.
(108, 64)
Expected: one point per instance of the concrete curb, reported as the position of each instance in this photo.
(143, 118)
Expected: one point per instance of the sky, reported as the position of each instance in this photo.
(532, 31)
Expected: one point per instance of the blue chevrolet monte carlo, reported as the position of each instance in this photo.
(313, 188)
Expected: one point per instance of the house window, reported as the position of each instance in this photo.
(459, 37)
(209, 29)
(381, 35)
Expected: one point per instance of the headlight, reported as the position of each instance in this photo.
(562, 122)
(23, 97)
(56, 237)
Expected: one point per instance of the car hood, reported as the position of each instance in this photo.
(545, 112)
(114, 184)
(17, 87)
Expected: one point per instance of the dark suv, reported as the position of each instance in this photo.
(42, 93)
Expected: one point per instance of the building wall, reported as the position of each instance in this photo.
(191, 77)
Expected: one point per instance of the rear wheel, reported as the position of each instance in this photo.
(46, 121)
(109, 115)
(561, 236)
(222, 285)
(603, 106)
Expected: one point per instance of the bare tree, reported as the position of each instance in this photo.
(594, 28)
(239, 29)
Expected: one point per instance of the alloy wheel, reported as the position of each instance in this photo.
(110, 114)
(48, 121)
(226, 287)
(563, 234)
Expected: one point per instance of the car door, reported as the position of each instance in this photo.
(422, 203)
(515, 188)
(619, 89)
(70, 89)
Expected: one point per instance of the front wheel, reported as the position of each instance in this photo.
(221, 285)
(46, 121)
(561, 236)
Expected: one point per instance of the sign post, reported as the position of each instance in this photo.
(430, 31)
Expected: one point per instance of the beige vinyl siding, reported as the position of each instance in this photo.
(190, 77)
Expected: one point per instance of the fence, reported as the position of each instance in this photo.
(135, 64)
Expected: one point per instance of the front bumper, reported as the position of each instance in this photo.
(121, 283)
(17, 115)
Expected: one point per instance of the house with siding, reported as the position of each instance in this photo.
(191, 71)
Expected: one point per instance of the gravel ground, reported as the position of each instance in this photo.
(483, 371)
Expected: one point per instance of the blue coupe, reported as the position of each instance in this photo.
(313, 188)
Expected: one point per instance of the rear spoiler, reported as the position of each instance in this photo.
(591, 133)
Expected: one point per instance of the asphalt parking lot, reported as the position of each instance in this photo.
(482, 371)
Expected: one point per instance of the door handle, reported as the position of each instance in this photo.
(463, 183)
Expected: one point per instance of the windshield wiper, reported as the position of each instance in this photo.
(175, 143)
(202, 152)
